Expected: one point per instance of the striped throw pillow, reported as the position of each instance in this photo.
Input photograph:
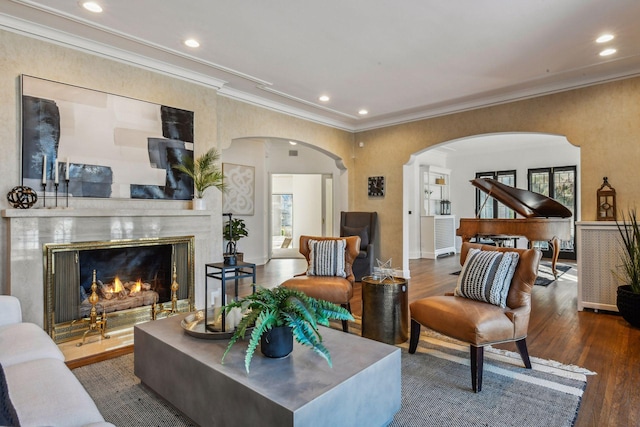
(326, 258)
(486, 276)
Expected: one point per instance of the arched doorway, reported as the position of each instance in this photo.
(278, 156)
(515, 153)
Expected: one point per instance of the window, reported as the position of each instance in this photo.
(487, 206)
(559, 183)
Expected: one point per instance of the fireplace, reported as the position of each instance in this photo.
(133, 279)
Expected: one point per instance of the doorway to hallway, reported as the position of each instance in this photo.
(300, 204)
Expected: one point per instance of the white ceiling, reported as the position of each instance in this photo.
(400, 60)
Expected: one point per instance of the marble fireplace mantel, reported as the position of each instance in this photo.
(30, 229)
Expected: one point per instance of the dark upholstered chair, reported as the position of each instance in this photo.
(335, 289)
(480, 323)
(361, 224)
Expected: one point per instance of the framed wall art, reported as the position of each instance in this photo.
(96, 144)
(239, 199)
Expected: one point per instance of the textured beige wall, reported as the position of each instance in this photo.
(603, 120)
(240, 120)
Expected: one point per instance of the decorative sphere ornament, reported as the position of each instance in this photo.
(22, 197)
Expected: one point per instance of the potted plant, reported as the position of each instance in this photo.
(205, 173)
(283, 313)
(234, 230)
(628, 295)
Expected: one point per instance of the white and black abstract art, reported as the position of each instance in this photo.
(107, 146)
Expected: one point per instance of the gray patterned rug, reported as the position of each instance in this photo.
(436, 390)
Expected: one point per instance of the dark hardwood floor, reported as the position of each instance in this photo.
(601, 342)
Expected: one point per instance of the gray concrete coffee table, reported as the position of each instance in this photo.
(362, 388)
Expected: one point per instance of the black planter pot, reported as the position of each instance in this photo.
(628, 303)
(277, 342)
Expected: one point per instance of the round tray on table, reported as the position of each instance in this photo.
(193, 324)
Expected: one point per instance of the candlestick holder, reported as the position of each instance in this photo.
(67, 188)
(44, 194)
(56, 192)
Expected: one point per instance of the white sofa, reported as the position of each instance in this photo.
(36, 387)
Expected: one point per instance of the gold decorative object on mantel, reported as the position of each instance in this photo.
(159, 308)
(97, 324)
(606, 195)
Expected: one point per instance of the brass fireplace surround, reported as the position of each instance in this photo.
(62, 283)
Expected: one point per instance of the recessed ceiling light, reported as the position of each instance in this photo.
(92, 6)
(608, 52)
(363, 112)
(293, 143)
(324, 98)
(604, 38)
(192, 43)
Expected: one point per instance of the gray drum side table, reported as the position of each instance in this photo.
(385, 309)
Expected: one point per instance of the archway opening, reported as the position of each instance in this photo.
(464, 159)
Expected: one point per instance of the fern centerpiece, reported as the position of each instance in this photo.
(270, 308)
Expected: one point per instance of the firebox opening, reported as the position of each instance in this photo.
(151, 265)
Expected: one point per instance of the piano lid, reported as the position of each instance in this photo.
(526, 203)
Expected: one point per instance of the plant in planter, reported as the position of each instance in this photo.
(283, 311)
(628, 295)
(233, 230)
(204, 172)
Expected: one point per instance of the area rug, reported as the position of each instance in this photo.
(436, 390)
(545, 274)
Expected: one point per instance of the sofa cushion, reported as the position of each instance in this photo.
(363, 232)
(10, 312)
(45, 392)
(486, 276)
(8, 415)
(326, 258)
(21, 342)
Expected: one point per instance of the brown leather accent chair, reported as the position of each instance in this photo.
(479, 323)
(337, 290)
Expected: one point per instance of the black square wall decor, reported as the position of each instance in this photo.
(376, 186)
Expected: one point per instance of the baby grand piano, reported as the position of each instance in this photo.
(544, 219)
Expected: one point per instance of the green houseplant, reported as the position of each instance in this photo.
(281, 307)
(628, 294)
(204, 172)
(234, 229)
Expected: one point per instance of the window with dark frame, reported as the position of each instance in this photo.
(559, 183)
(487, 206)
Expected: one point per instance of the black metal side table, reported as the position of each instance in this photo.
(225, 272)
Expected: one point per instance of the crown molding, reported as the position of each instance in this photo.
(62, 38)
(283, 108)
(350, 124)
(484, 101)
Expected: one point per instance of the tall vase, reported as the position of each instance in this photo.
(199, 204)
(277, 342)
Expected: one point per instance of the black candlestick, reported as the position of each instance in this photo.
(44, 194)
(67, 196)
(56, 190)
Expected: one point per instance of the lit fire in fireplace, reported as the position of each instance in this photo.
(123, 290)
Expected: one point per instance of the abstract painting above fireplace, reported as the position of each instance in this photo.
(95, 144)
(133, 279)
